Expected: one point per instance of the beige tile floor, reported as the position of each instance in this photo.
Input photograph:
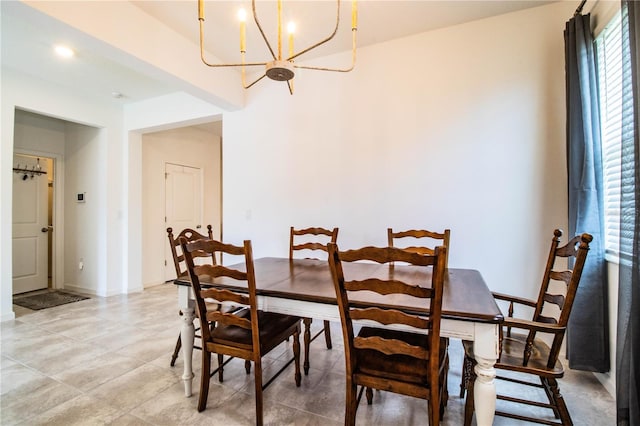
(106, 361)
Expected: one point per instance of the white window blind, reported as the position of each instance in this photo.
(615, 102)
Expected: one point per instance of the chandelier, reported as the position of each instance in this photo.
(278, 67)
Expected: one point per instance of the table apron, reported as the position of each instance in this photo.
(457, 329)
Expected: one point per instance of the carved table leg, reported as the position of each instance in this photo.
(485, 352)
(484, 391)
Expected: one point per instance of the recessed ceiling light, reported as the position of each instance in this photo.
(64, 51)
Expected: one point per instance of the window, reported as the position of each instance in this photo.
(616, 105)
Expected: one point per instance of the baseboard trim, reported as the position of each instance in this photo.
(79, 290)
(93, 292)
(154, 284)
(8, 317)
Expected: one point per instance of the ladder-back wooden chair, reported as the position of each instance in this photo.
(523, 346)
(420, 241)
(312, 240)
(181, 267)
(409, 240)
(247, 333)
(408, 363)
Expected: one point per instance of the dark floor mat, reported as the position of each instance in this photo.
(47, 300)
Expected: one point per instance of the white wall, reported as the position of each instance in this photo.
(83, 147)
(462, 128)
(190, 146)
(33, 132)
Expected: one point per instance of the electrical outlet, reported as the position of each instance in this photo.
(81, 265)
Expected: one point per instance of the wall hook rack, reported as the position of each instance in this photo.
(27, 171)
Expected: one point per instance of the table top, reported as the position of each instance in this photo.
(465, 296)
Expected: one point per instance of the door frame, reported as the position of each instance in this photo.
(57, 246)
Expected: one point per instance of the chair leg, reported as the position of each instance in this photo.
(445, 380)
(327, 334)
(434, 405)
(547, 389)
(444, 387)
(176, 351)
(205, 376)
(469, 406)
(557, 400)
(467, 370)
(463, 377)
(369, 394)
(247, 366)
(220, 368)
(307, 343)
(351, 403)
(257, 371)
(296, 357)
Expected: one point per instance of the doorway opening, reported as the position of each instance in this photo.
(182, 177)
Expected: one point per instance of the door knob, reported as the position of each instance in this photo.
(47, 228)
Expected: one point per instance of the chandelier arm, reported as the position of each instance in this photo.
(252, 64)
(335, 31)
(353, 59)
(290, 85)
(255, 18)
(260, 78)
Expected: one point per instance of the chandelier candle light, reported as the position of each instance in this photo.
(279, 68)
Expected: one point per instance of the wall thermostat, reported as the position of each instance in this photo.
(80, 198)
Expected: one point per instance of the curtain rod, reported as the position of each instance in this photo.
(579, 9)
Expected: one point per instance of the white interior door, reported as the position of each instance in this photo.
(30, 230)
(183, 205)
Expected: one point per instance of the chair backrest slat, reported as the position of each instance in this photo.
(388, 316)
(310, 241)
(216, 271)
(390, 347)
(229, 319)
(408, 240)
(176, 250)
(556, 299)
(561, 276)
(386, 287)
(381, 254)
(225, 295)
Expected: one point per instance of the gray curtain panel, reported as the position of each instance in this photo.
(628, 334)
(588, 330)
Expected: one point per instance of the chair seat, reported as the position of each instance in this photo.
(397, 367)
(272, 327)
(512, 356)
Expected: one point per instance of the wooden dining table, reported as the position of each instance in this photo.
(304, 287)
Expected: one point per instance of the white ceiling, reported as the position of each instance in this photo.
(378, 21)
(27, 38)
